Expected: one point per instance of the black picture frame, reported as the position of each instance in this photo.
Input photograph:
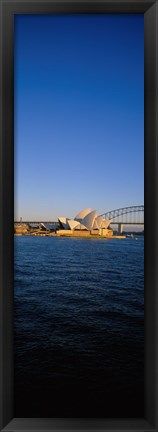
(8, 8)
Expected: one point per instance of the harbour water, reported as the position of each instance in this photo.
(79, 327)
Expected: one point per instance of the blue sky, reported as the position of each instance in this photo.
(79, 114)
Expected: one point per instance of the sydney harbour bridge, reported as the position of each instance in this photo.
(133, 215)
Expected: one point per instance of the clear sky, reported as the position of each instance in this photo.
(79, 114)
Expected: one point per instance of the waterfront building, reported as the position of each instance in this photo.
(86, 220)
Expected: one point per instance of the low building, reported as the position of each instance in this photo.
(21, 229)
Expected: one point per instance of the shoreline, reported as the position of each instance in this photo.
(69, 236)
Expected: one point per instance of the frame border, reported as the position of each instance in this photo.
(7, 10)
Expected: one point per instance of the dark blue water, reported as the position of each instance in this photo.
(79, 327)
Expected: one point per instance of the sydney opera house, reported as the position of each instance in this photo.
(86, 220)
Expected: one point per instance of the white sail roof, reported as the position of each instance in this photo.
(95, 225)
(88, 221)
(73, 224)
(105, 223)
(99, 220)
(80, 226)
(82, 213)
(64, 222)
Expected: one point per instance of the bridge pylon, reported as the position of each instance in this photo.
(120, 228)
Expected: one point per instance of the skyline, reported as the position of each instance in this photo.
(79, 114)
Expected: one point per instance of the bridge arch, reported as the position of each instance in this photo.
(132, 215)
(122, 211)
